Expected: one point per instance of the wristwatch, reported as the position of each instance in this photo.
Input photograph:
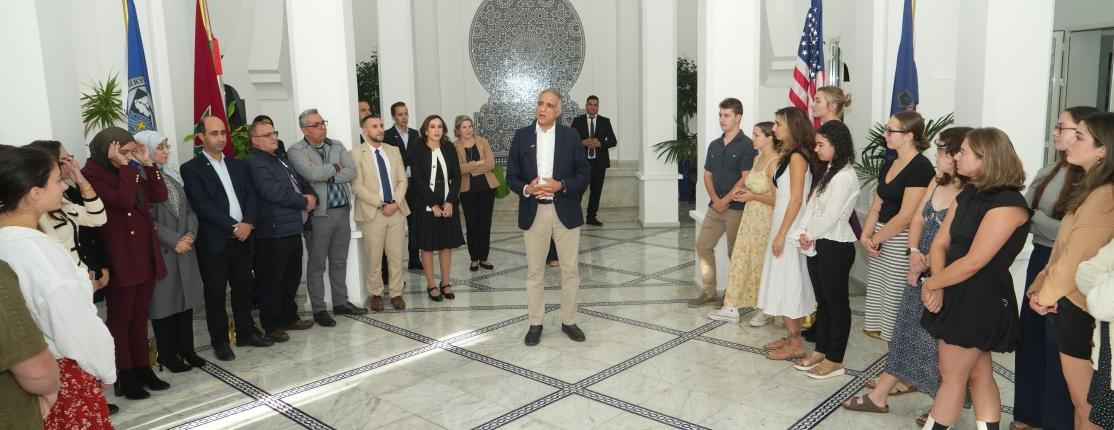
(910, 250)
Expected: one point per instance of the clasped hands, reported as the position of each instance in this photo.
(241, 231)
(443, 210)
(591, 142)
(544, 187)
(185, 244)
(1040, 309)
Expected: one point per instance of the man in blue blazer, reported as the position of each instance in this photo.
(548, 169)
(219, 189)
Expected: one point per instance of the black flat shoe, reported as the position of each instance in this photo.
(128, 386)
(174, 364)
(487, 265)
(193, 359)
(430, 291)
(256, 341)
(144, 375)
(447, 294)
(475, 267)
(224, 352)
(113, 409)
(534, 335)
(573, 332)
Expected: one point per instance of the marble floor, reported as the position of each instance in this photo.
(649, 361)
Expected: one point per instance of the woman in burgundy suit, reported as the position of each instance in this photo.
(128, 182)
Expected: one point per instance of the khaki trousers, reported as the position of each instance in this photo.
(714, 226)
(384, 234)
(546, 226)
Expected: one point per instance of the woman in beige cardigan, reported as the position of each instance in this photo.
(1088, 225)
(477, 189)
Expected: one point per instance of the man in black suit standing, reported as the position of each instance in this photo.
(597, 136)
(402, 136)
(219, 189)
(548, 168)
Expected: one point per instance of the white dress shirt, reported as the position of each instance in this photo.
(221, 168)
(383, 182)
(59, 297)
(826, 214)
(546, 146)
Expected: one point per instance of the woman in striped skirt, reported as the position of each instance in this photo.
(901, 186)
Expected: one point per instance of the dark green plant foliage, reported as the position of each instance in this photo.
(874, 154)
(102, 106)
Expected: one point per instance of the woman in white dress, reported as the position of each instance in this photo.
(786, 291)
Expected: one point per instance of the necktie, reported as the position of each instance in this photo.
(592, 127)
(384, 178)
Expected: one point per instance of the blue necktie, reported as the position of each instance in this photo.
(384, 178)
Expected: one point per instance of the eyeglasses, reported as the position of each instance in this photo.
(321, 124)
(273, 135)
(1060, 129)
(892, 131)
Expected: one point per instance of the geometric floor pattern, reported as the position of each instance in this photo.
(649, 361)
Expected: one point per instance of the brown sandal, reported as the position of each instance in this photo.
(777, 343)
(785, 353)
(864, 405)
(896, 390)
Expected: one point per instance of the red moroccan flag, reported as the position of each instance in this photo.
(207, 98)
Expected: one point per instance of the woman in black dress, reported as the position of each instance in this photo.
(969, 299)
(435, 176)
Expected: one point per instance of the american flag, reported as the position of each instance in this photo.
(808, 74)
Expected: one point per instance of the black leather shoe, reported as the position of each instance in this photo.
(144, 375)
(322, 318)
(534, 335)
(447, 294)
(128, 386)
(194, 360)
(256, 341)
(174, 364)
(487, 265)
(349, 309)
(429, 292)
(278, 335)
(595, 222)
(573, 332)
(113, 409)
(474, 267)
(224, 352)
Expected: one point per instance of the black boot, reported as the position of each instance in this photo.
(127, 386)
(145, 376)
(166, 339)
(184, 325)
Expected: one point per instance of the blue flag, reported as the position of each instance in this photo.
(905, 96)
(140, 105)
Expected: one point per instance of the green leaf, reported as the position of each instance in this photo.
(101, 106)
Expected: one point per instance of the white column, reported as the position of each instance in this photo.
(727, 66)
(40, 94)
(269, 72)
(1002, 80)
(657, 180)
(322, 62)
(396, 58)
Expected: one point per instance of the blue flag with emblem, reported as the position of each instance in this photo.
(905, 96)
(140, 104)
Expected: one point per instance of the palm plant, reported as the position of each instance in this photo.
(102, 107)
(873, 156)
(682, 149)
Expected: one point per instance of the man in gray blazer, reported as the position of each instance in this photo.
(326, 164)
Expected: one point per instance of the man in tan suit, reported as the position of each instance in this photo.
(381, 210)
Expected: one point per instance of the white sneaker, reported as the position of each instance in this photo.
(725, 313)
(760, 319)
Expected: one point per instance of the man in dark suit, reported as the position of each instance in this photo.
(598, 137)
(402, 136)
(548, 168)
(285, 200)
(219, 189)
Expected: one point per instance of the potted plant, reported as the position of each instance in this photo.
(682, 149)
(102, 107)
(873, 156)
(367, 81)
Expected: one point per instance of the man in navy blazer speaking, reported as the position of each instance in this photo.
(547, 167)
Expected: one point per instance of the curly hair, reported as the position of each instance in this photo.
(839, 136)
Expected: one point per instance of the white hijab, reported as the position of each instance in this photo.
(152, 139)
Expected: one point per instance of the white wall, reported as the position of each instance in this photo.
(1083, 14)
(1083, 68)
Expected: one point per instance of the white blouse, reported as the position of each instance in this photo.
(60, 298)
(825, 215)
(91, 214)
(438, 158)
(1095, 279)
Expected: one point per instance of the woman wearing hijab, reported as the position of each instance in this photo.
(179, 293)
(114, 167)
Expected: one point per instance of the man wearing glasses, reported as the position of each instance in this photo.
(284, 200)
(326, 164)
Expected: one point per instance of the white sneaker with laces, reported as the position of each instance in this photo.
(725, 313)
(760, 319)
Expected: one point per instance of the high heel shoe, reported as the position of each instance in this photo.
(193, 359)
(430, 291)
(174, 364)
(447, 294)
